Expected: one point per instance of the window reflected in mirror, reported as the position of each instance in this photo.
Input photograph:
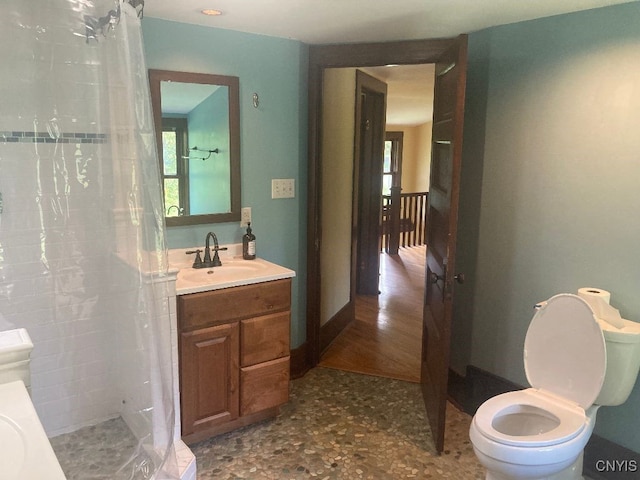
(174, 167)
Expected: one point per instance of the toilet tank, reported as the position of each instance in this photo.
(623, 362)
(15, 350)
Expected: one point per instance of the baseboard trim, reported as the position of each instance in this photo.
(330, 330)
(603, 459)
(299, 359)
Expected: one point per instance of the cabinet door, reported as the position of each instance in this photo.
(209, 377)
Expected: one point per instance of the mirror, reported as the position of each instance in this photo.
(197, 119)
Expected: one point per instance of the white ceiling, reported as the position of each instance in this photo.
(348, 21)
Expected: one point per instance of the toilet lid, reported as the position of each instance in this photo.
(564, 350)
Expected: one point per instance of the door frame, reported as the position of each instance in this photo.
(408, 52)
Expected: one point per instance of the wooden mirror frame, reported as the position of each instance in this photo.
(233, 83)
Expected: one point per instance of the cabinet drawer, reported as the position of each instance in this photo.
(228, 304)
(264, 386)
(264, 338)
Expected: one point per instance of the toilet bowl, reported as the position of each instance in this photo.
(540, 432)
(25, 451)
(529, 435)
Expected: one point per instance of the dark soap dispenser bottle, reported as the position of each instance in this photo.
(249, 244)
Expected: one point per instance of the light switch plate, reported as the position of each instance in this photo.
(283, 188)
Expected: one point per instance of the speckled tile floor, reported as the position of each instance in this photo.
(106, 451)
(340, 425)
(337, 425)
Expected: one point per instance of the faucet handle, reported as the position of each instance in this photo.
(197, 263)
(216, 258)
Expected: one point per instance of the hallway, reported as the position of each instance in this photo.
(385, 338)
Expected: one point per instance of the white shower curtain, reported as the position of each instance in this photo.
(82, 252)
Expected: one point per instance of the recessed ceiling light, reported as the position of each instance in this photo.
(211, 12)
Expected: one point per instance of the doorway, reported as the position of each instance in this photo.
(383, 338)
(322, 59)
(450, 57)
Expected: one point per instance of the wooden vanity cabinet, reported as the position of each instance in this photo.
(234, 356)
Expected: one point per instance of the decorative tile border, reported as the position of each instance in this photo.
(45, 137)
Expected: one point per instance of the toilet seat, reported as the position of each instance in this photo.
(565, 362)
(564, 350)
(550, 420)
(540, 432)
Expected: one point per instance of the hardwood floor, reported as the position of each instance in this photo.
(385, 338)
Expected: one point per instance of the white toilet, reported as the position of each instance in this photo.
(25, 451)
(575, 363)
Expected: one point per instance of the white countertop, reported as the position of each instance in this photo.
(234, 272)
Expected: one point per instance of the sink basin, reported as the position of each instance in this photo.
(214, 274)
(233, 272)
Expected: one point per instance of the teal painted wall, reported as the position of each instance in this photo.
(559, 150)
(273, 136)
(209, 179)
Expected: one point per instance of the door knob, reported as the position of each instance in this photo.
(459, 278)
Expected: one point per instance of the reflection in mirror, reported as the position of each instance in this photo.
(197, 130)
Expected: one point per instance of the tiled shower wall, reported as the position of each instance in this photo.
(69, 218)
(54, 275)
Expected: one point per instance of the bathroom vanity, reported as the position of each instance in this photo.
(233, 345)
